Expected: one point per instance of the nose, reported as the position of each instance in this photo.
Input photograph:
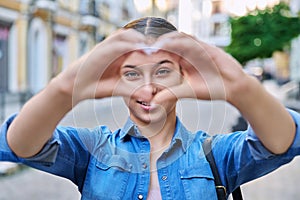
(149, 88)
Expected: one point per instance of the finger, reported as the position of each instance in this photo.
(203, 64)
(127, 35)
(174, 93)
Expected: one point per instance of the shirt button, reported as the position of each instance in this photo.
(164, 178)
(140, 197)
(144, 165)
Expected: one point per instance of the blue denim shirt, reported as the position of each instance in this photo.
(115, 165)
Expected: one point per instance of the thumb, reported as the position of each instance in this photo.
(174, 93)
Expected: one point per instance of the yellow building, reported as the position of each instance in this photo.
(39, 38)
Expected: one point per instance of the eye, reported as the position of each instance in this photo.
(131, 75)
(162, 71)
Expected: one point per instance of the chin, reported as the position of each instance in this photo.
(149, 119)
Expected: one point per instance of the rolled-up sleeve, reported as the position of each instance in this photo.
(64, 154)
(241, 157)
(48, 153)
(46, 156)
(6, 153)
(259, 152)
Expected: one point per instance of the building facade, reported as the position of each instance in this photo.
(295, 50)
(39, 38)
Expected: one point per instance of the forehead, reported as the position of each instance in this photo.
(137, 58)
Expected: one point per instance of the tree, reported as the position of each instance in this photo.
(262, 32)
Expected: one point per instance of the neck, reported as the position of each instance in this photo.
(160, 133)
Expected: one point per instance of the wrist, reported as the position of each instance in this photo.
(62, 91)
(246, 92)
(65, 84)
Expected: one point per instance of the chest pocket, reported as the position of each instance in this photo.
(198, 181)
(114, 162)
(107, 179)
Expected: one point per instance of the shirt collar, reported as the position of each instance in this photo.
(181, 136)
(130, 129)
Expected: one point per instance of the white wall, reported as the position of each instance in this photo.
(13, 85)
(38, 59)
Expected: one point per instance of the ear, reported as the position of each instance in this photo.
(182, 74)
(181, 71)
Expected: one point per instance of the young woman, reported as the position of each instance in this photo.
(153, 156)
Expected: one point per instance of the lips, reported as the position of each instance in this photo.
(145, 105)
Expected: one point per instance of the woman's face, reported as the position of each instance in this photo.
(145, 76)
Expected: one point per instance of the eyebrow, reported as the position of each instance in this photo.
(155, 65)
(163, 62)
(129, 66)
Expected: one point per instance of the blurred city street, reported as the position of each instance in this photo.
(214, 118)
(41, 38)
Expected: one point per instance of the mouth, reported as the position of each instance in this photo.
(145, 105)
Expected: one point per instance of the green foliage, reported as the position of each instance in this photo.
(262, 32)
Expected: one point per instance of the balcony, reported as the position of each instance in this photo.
(49, 5)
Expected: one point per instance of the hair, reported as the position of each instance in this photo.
(151, 26)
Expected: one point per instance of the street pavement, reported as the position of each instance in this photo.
(217, 117)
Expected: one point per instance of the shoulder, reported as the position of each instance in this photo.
(88, 137)
(222, 139)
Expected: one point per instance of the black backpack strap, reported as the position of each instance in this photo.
(237, 194)
(220, 188)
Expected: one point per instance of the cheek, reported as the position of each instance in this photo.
(132, 96)
(131, 86)
(170, 81)
(126, 101)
